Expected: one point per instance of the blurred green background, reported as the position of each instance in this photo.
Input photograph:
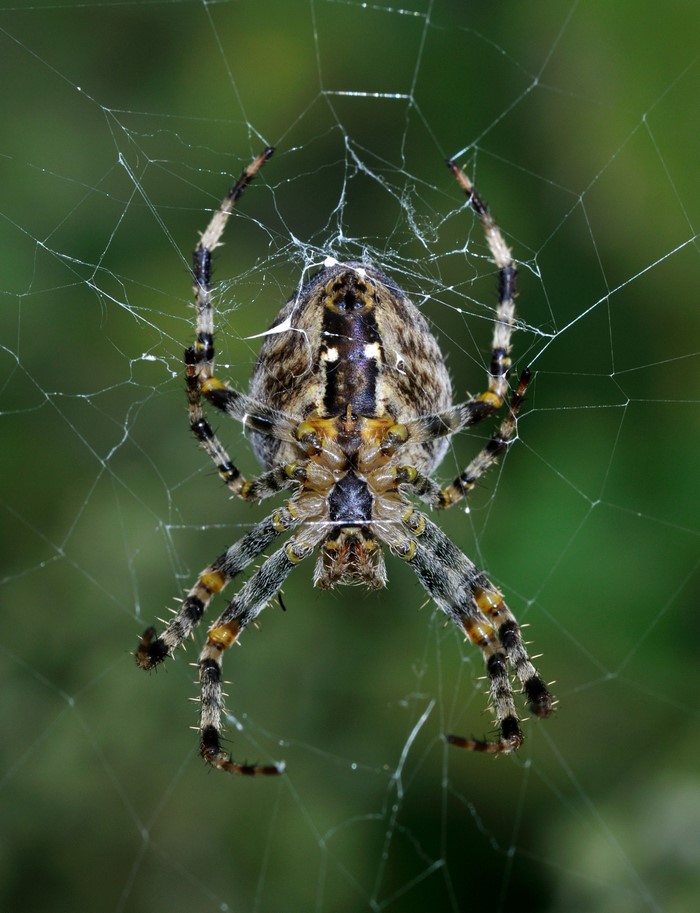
(123, 125)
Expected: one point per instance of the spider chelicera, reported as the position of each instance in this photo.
(350, 406)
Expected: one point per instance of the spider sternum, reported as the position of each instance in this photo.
(350, 461)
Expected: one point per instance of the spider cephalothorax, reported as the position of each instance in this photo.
(350, 405)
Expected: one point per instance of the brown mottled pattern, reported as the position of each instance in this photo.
(291, 370)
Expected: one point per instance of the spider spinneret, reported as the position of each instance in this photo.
(354, 431)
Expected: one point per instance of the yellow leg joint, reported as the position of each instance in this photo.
(480, 633)
(245, 490)
(278, 523)
(212, 383)
(489, 601)
(212, 581)
(296, 551)
(406, 474)
(309, 438)
(398, 433)
(407, 551)
(453, 494)
(417, 524)
(394, 437)
(223, 635)
(493, 399)
(295, 471)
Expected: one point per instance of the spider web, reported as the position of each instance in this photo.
(124, 125)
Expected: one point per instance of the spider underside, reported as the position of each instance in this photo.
(353, 430)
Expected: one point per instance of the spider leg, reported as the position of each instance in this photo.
(476, 606)
(476, 409)
(243, 608)
(154, 649)
(507, 290)
(202, 352)
(199, 358)
(430, 492)
(496, 445)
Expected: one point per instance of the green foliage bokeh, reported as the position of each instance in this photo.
(123, 125)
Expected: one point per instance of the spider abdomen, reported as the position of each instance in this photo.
(351, 338)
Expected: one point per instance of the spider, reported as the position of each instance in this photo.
(350, 406)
